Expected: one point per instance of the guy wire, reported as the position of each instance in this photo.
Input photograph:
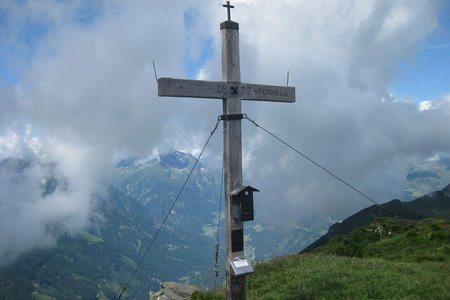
(168, 213)
(321, 167)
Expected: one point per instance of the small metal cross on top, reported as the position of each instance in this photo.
(228, 6)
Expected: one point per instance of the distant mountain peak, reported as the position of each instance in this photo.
(126, 163)
(177, 159)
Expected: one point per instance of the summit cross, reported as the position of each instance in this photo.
(228, 6)
(232, 91)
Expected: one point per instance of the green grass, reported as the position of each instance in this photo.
(39, 296)
(388, 259)
(333, 277)
(207, 295)
(318, 276)
(395, 239)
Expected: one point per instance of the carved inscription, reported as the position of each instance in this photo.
(249, 90)
(222, 90)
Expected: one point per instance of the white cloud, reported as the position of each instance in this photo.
(202, 75)
(89, 93)
(8, 145)
(29, 215)
(425, 105)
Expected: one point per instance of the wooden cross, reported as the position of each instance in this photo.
(228, 6)
(232, 91)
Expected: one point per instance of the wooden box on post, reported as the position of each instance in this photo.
(243, 198)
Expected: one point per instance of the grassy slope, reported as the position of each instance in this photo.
(433, 205)
(332, 277)
(318, 276)
(395, 239)
(388, 259)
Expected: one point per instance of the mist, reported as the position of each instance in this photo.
(86, 97)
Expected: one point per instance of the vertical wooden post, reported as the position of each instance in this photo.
(232, 154)
(232, 91)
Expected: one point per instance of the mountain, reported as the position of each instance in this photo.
(90, 263)
(389, 258)
(395, 239)
(434, 205)
(319, 276)
(97, 262)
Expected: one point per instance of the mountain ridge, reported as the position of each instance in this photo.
(436, 205)
(98, 260)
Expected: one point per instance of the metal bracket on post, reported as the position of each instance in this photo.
(231, 117)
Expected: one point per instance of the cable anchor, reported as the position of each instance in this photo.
(232, 117)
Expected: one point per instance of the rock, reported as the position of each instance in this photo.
(173, 291)
(446, 191)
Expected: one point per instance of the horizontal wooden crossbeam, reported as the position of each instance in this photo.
(171, 87)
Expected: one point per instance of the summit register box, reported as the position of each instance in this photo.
(243, 199)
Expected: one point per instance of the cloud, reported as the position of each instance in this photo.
(89, 93)
(8, 144)
(87, 87)
(341, 58)
(46, 191)
(425, 105)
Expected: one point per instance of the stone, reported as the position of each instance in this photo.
(174, 291)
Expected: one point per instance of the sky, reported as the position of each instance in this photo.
(424, 75)
(78, 92)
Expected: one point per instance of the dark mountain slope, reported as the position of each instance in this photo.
(97, 262)
(434, 205)
(88, 263)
